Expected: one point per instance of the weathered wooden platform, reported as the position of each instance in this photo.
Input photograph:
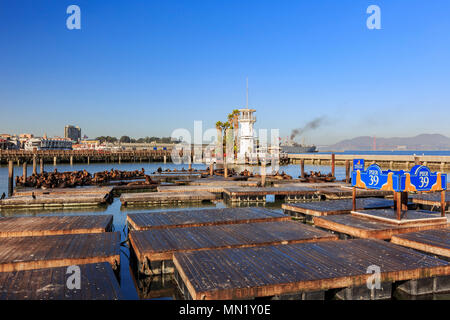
(431, 199)
(98, 282)
(158, 245)
(271, 271)
(361, 227)
(165, 197)
(256, 194)
(343, 192)
(54, 200)
(409, 217)
(62, 191)
(325, 208)
(27, 253)
(54, 225)
(204, 217)
(189, 188)
(431, 241)
(223, 183)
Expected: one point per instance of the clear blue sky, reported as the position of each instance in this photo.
(144, 68)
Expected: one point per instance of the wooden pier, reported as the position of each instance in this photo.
(54, 225)
(189, 188)
(63, 191)
(165, 197)
(331, 207)
(27, 253)
(258, 194)
(98, 282)
(334, 193)
(154, 248)
(436, 242)
(362, 227)
(204, 217)
(54, 200)
(291, 271)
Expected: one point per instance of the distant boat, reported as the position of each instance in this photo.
(290, 146)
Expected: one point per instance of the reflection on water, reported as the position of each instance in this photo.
(132, 286)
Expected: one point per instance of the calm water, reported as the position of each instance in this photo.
(130, 286)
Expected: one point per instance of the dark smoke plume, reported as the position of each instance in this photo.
(314, 124)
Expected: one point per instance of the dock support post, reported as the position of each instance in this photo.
(88, 160)
(54, 161)
(34, 165)
(71, 160)
(211, 168)
(401, 203)
(333, 164)
(165, 159)
(225, 168)
(302, 168)
(443, 203)
(120, 159)
(24, 172)
(347, 171)
(263, 174)
(41, 165)
(10, 177)
(354, 199)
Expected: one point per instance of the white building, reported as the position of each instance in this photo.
(246, 136)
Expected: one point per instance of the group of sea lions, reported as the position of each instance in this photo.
(71, 179)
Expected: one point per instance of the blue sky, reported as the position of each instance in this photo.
(145, 68)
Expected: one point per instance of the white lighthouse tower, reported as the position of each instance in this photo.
(246, 138)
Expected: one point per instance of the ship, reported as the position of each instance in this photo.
(291, 146)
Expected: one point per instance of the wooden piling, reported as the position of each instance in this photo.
(347, 171)
(88, 160)
(263, 174)
(333, 164)
(54, 161)
(165, 159)
(225, 168)
(41, 165)
(24, 172)
(211, 168)
(34, 165)
(302, 168)
(443, 203)
(71, 160)
(10, 178)
(354, 199)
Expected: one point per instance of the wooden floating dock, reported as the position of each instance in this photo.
(206, 188)
(62, 191)
(198, 218)
(54, 200)
(258, 194)
(165, 197)
(431, 241)
(346, 193)
(331, 207)
(98, 282)
(27, 253)
(409, 217)
(154, 248)
(289, 270)
(54, 225)
(223, 183)
(362, 227)
(431, 199)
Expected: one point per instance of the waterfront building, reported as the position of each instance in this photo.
(72, 133)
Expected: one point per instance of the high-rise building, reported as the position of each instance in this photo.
(73, 133)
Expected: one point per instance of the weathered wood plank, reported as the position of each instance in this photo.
(431, 241)
(62, 191)
(160, 244)
(362, 227)
(203, 217)
(324, 208)
(53, 200)
(98, 282)
(27, 253)
(242, 273)
(432, 199)
(262, 191)
(165, 197)
(409, 217)
(54, 225)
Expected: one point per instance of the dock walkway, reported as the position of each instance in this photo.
(431, 241)
(54, 225)
(98, 282)
(165, 197)
(269, 271)
(54, 200)
(35, 252)
(204, 217)
(159, 245)
(258, 194)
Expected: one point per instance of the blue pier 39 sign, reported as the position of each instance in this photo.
(420, 178)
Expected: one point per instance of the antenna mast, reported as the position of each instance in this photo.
(247, 94)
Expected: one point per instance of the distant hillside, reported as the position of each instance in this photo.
(421, 142)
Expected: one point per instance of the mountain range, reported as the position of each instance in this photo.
(421, 142)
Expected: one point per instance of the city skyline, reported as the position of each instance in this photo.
(145, 69)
